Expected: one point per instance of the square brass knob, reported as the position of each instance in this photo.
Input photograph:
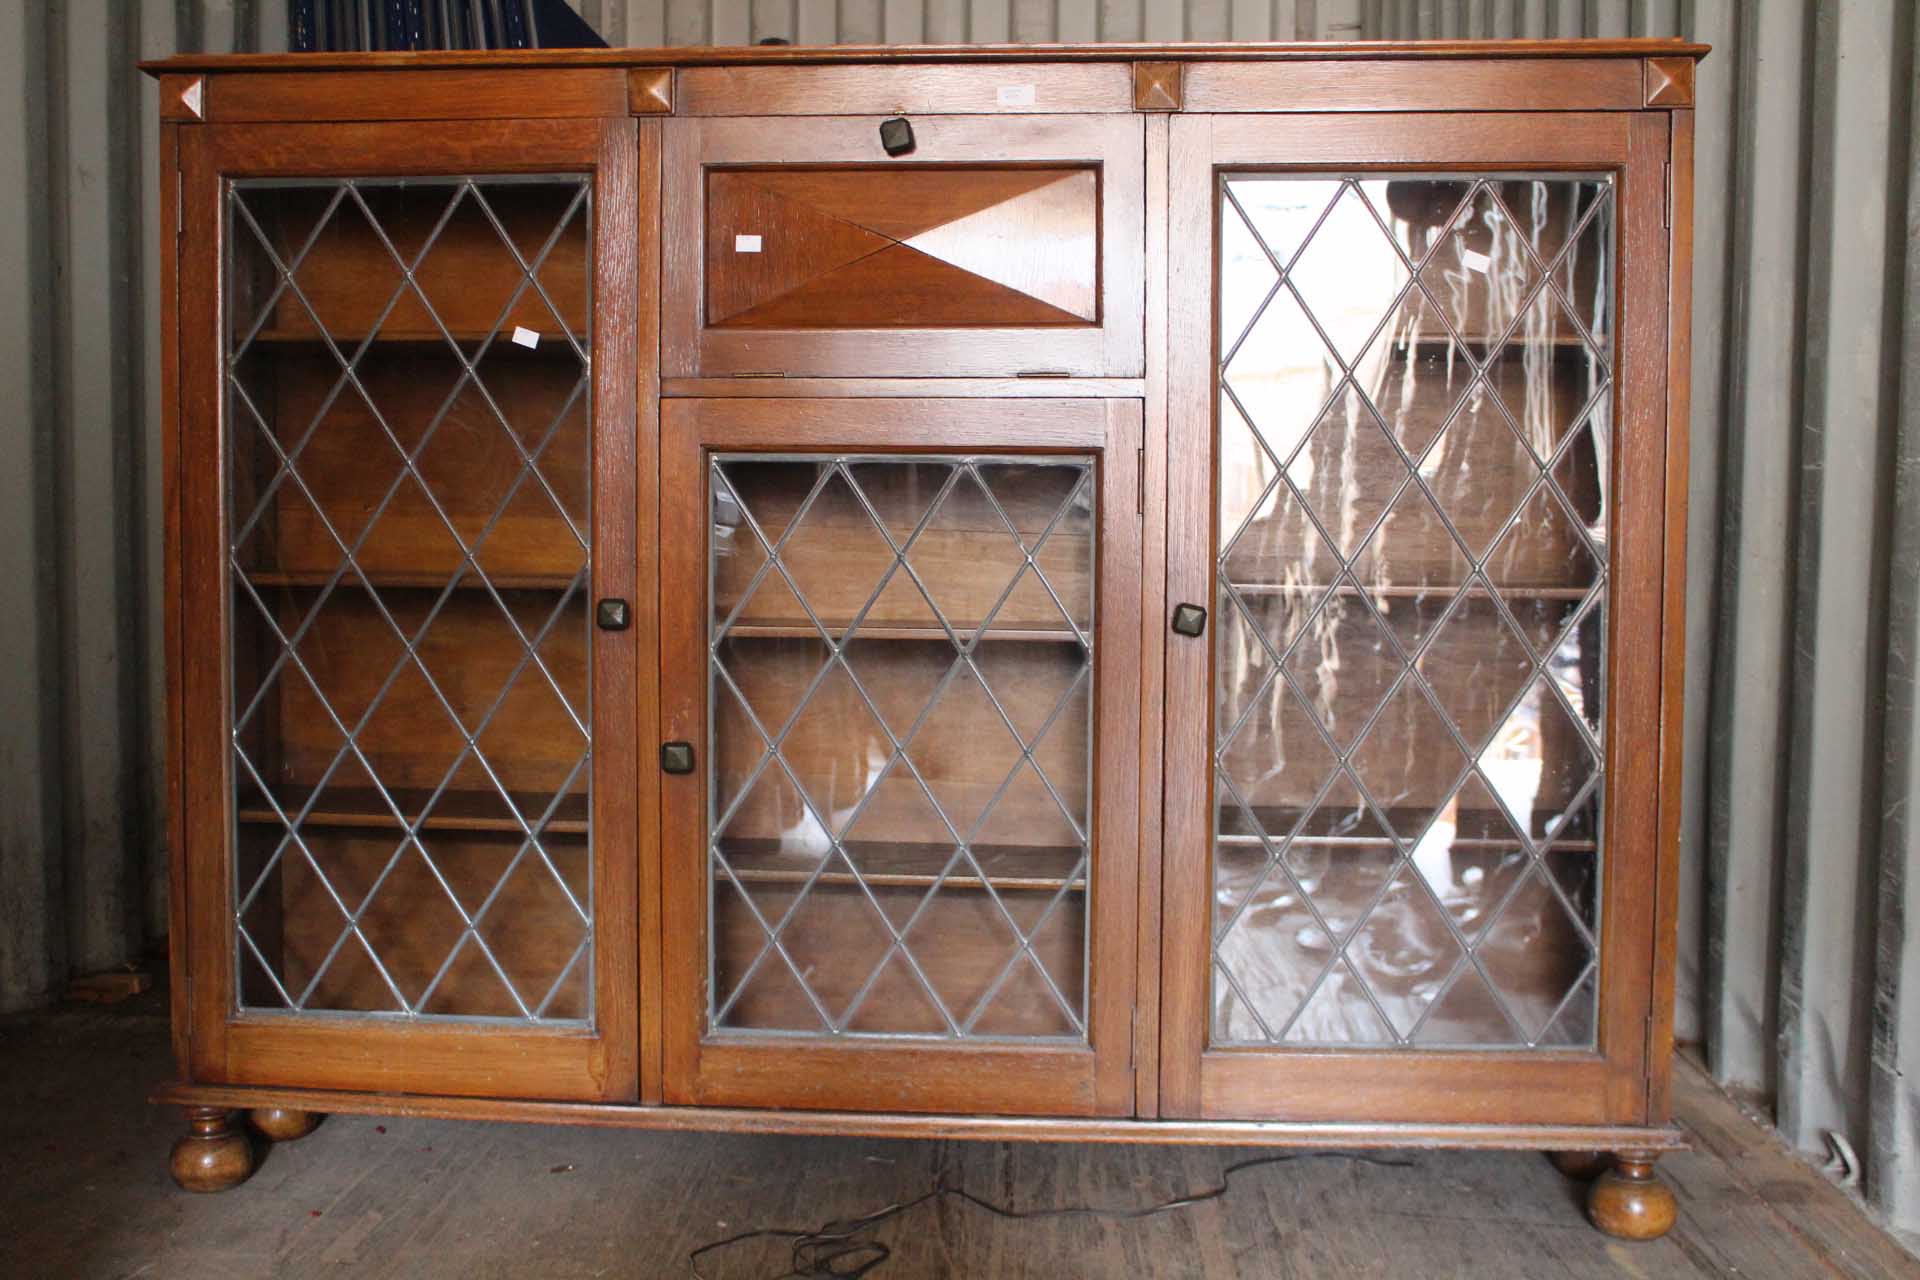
(611, 615)
(896, 136)
(1189, 619)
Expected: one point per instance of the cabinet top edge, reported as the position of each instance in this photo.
(790, 55)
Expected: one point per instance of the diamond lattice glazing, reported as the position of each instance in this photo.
(1414, 417)
(900, 681)
(407, 399)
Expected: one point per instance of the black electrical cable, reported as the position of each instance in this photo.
(835, 1249)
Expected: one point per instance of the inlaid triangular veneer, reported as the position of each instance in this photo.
(898, 248)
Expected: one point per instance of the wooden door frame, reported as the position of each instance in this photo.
(223, 1044)
(742, 1070)
(1537, 1087)
(1112, 348)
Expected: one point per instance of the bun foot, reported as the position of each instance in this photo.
(1581, 1166)
(1628, 1202)
(282, 1125)
(214, 1155)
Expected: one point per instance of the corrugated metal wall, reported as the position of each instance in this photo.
(656, 22)
(1802, 850)
(1801, 858)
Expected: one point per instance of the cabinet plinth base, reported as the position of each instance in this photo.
(214, 1154)
(1346, 1135)
(283, 1124)
(1629, 1202)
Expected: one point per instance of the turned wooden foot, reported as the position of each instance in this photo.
(281, 1125)
(1628, 1201)
(1581, 1166)
(214, 1155)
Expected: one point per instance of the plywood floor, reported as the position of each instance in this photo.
(84, 1193)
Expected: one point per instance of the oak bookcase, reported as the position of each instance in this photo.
(1062, 592)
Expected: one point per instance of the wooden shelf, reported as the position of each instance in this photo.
(1476, 828)
(905, 866)
(1566, 344)
(1376, 842)
(315, 579)
(1439, 590)
(456, 811)
(784, 630)
(550, 343)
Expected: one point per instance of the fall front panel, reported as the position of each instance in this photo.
(815, 247)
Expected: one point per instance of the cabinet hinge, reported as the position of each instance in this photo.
(1666, 198)
(1044, 373)
(762, 373)
(179, 207)
(1140, 483)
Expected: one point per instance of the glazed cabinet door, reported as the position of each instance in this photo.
(1419, 472)
(900, 659)
(407, 516)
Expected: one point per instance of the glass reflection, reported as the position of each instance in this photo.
(1412, 477)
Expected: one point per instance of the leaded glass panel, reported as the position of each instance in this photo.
(900, 681)
(407, 395)
(1414, 421)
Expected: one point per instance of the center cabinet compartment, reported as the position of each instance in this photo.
(995, 246)
(903, 659)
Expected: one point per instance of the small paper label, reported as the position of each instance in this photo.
(746, 244)
(1475, 261)
(525, 337)
(1016, 95)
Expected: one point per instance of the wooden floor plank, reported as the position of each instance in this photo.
(1736, 1160)
(85, 1193)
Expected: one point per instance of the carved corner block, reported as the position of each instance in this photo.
(183, 97)
(650, 91)
(1157, 86)
(1668, 81)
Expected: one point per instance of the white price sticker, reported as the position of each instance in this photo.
(1475, 261)
(746, 244)
(525, 337)
(1016, 95)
